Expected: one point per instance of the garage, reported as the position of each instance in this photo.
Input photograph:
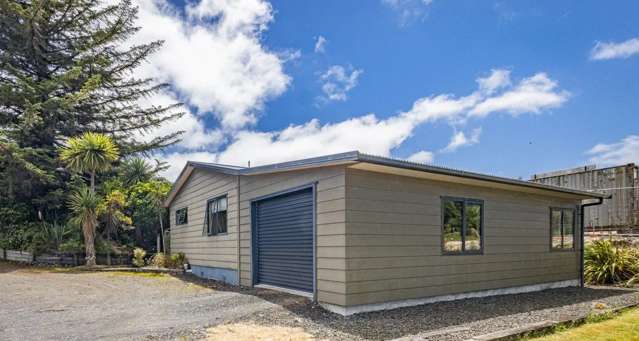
(283, 240)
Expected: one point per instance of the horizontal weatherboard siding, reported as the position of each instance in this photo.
(393, 240)
(219, 251)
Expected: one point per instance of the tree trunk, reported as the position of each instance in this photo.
(89, 242)
(92, 181)
(162, 230)
(108, 255)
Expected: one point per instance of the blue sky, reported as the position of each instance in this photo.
(508, 88)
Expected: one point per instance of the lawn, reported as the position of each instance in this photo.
(622, 327)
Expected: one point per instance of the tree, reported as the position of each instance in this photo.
(136, 169)
(84, 204)
(89, 153)
(111, 209)
(146, 199)
(65, 70)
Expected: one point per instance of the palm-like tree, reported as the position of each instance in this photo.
(135, 170)
(84, 204)
(89, 153)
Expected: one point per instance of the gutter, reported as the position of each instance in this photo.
(583, 233)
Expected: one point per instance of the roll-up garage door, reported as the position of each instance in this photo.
(283, 241)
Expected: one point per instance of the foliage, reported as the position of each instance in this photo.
(135, 170)
(606, 263)
(89, 153)
(65, 71)
(84, 205)
(160, 260)
(138, 257)
(178, 260)
(144, 201)
(111, 209)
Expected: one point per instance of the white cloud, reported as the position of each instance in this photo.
(368, 133)
(496, 80)
(408, 11)
(213, 57)
(320, 44)
(195, 136)
(612, 50)
(176, 161)
(338, 81)
(617, 153)
(531, 95)
(422, 157)
(459, 139)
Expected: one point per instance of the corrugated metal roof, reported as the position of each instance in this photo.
(355, 156)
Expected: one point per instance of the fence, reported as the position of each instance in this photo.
(60, 259)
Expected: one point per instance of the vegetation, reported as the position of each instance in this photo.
(624, 326)
(608, 263)
(138, 257)
(74, 173)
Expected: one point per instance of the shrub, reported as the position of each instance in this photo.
(605, 263)
(159, 260)
(178, 260)
(138, 257)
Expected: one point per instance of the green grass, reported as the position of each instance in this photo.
(624, 326)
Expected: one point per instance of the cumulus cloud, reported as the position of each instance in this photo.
(338, 81)
(496, 80)
(195, 136)
(459, 139)
(422, 156)
(612, 50)
(213, 57)
(177, 161)
(617, 153)
(371, 134)
(320, 44)
(408, 11)
(531, 95)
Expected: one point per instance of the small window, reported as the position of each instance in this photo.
(181, 216)
(562, 228)
(216, 215)
(462, 226)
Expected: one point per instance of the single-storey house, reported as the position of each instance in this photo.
(357, 232)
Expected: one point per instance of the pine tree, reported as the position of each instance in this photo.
(65, 69)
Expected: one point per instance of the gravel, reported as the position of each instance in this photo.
(49, 305)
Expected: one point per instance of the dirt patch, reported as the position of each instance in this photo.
(253, 332)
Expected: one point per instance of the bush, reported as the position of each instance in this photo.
(138, 257)
(178, 260)
(159, 260)
(607, 263)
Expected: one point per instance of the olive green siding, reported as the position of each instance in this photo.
(219, 251)
(393, 240)
(330, 219)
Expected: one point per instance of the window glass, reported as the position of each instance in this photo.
(555, 228)
(472, 240)
(452, 225)
(462, 225)
(569, 228)
(181, 216)
(216, 215)
(562, 228)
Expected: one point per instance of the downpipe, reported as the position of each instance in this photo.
(583, 238)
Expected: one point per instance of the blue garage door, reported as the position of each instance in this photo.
(284, 240)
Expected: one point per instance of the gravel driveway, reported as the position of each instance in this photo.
(61, 305)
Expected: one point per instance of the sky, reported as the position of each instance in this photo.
(500, 87)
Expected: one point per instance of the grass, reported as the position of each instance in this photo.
(600, 327)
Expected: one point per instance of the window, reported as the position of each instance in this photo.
(181, 216)
(462, 226)
(562, 228)
(216, 215)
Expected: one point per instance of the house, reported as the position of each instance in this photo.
(622, 182)
(357, 232)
